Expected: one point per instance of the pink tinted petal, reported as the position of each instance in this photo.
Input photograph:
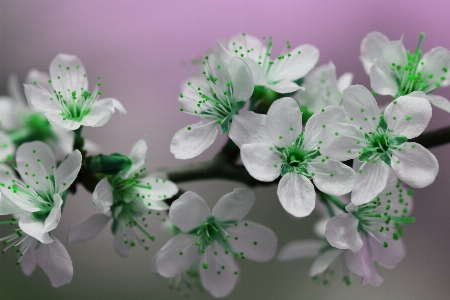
(189, 211)
(88, 228)
(301, 249)
(342, 232)
(370, 181)
(323, 261)
(361, 264)
(235, 205)
(361, 107)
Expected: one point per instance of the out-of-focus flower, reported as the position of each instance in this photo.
(38, 197)
(69, 105)
(380, 141)
(281, 148)
(397, 72)
(217, 98)
(129, 195)
(278, 74)
(211, 241)
(372, 231)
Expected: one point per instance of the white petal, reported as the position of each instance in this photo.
(7, 150)
(257, 242)
(102, 196)
(296, 194)
(34, 229)
(315, 126)
(247, 42)
(169, 263)
(285, 87)
(296, 64)
(408, 116)
(361, 264)
(15, 90)
(191, 143)
(22, 203)
(439, 101)
(323, 261)
(138, 156)
(37, 77)
(68, 170)
(331, 176)
(28, 262)
(100, 113)
(342, 141)
(88, 228)
(27, 157)
(342, 232)
(434, 62)
(55, 261)
(8, 207)
(381, 79)
(189, 211)
(122, 239)
(361, 107)
(235, 205)
(370, 181)
(415, 165)
(344, 81)
(261, 161)
(41, 99)
(395, 52)
(284, 122)
(241, 79)
(67, 73)
(156, 189)
(222, 273)
(259, 77)
(372, 47)
(61, 122)
(387, 257)
(190, 97)
(52, 220)
(9, 113)
(301, 249)
(117, 105)
(249, 128)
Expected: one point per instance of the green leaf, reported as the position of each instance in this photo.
(386, 158)
(397, 141)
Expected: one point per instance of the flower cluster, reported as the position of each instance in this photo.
(289, 120)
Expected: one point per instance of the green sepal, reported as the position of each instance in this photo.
(239, 105)
(114, 226)
(365, 156)
(225, 125)
(383, 124)
(109, 164)
(300, 81)
(306, 114)
(386, 158)
(397, 141)
(284, 169)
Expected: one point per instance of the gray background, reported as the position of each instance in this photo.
(139, 48)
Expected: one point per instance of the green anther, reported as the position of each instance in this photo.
(444, 69)
(395, 236)
(205, 266)
(385, 244)
(408, 118)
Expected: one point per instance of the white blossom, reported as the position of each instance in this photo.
(39, 195)
(397, 72)
(211, 240)
(372, 231)
(279, 147)
(69, 105)
(216, 98)
(129, 196)
(380, 141)
(278, 74)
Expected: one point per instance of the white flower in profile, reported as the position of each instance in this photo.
(52, 258)
(322, 88)
(69, 105)
(128, 196)
(380, 141)
(211, 241)
(279, 147)
(325, 256)
(372, 231)
(217, 98)
(38, 196)
(278, 74)
(397, 72)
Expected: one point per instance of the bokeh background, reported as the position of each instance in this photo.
(141, 50)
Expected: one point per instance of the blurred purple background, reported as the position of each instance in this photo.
(140, 49)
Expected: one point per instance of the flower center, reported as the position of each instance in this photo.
(412, 77)
(296, 158)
